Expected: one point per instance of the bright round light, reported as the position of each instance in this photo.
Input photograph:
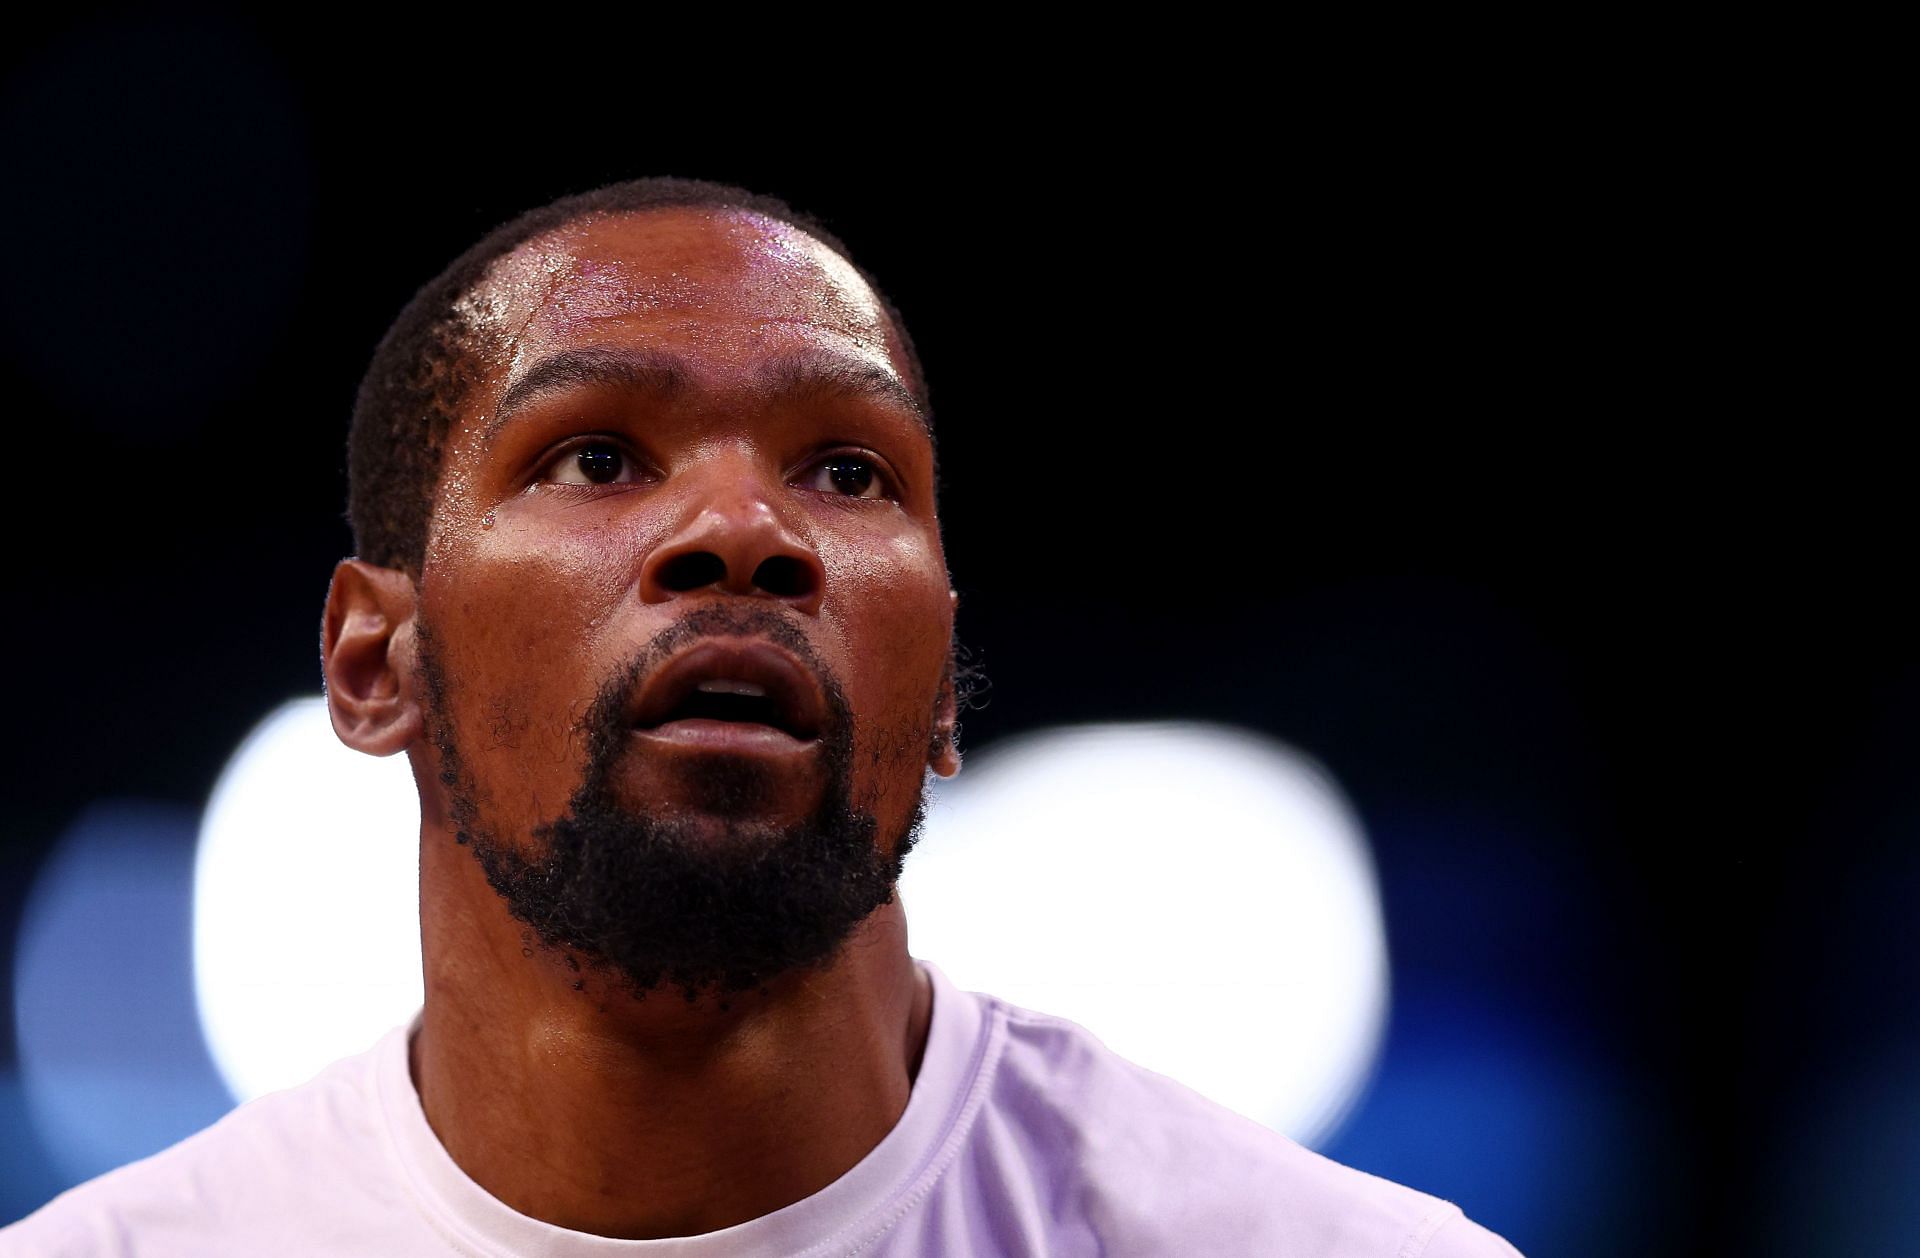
(306, 919)
(1199, 897)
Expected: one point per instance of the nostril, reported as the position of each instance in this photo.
(785, 576)
(691, 571)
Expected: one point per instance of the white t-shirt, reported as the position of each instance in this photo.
(1023, 1135)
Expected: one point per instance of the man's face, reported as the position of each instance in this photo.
(685, 613)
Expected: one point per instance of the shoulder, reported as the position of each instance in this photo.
(1155, 1164)
(242, 1183)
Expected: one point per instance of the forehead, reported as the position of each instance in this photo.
(721, 285)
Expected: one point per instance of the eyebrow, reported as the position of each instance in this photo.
(808, 375)
(660, 375)
(820, 375)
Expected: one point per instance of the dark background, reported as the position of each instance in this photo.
(1500, 444)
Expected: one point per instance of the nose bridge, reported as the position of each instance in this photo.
(734, 534)
(729, 484)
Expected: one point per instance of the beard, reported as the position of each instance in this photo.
(658, 899)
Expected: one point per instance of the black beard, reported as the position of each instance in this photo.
(659, 899)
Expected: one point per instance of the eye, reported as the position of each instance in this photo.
(848, 475)
(592, 463)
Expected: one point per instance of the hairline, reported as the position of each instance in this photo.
(896, 338)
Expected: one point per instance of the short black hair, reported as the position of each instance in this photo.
(426, 363)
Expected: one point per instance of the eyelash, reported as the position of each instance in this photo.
(889, 491)
(544, 472)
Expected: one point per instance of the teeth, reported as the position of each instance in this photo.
(726, 687)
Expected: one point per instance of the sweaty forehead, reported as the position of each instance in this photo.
(682, 274)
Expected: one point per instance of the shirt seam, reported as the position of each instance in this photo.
(450, 1229)
(1422, 1235)
(980, 1071)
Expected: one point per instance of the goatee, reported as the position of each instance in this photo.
(658, 900)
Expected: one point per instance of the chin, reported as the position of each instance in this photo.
(722, 790)
(722, 831)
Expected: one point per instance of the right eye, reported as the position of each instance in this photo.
(592, 463)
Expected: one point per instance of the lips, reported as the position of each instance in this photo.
(744, 683)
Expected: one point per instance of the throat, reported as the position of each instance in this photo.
(665, 1129)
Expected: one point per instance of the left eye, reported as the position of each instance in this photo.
(848, 475)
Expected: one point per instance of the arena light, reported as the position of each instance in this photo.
(1198, 896)
(112, 1066)
(306, 927)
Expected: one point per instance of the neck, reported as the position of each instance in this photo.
(639, 1119)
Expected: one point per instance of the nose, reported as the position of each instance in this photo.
(734, 539)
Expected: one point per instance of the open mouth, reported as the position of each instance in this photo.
(725, 699)
(733, 682)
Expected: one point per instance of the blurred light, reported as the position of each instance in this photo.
(306, 920)
(1198, 896)
(1533, 1136)
(112, 1066)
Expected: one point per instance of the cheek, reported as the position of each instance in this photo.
(895, 626)
(543, 590)
(522, 633)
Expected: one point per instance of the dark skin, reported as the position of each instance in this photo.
(787, 460)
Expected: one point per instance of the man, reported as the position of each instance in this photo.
(650, 589)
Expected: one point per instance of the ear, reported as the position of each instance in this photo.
(944, 755)
(366, 652)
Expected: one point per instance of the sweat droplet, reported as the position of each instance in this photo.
(486, 521)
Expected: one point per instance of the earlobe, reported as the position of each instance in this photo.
(944, 754)
(366, 652)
